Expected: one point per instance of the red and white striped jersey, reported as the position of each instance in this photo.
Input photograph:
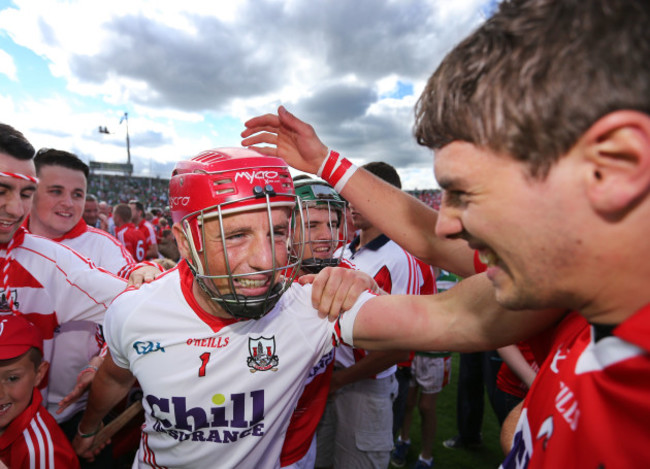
(34, 440)
(75, 343)
(52, 285)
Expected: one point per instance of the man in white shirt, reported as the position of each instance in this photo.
(223, 344)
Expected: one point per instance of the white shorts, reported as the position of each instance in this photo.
(431, 373)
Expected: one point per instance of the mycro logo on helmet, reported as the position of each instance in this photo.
(253, 175)
(173, 201)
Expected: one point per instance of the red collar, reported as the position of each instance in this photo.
(15, 428)
(80, 228)
(187, 280)
(636, 328)
(18, 238)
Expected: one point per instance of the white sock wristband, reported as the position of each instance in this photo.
(336, 170)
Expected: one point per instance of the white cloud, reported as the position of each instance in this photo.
(7, 65)
(174, 64)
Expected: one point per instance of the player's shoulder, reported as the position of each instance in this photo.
(47, 248)
(394, 249)
(162, 286)
(297, 299)
(145, 303)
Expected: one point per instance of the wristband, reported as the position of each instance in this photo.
(88, 435)
(87, 369)
(336, 170)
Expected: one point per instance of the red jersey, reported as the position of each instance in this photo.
(589, 405)
(133, 239)
(33, 439)
(508, 381)
(149, 233)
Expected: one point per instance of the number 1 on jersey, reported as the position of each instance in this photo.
(205, 358)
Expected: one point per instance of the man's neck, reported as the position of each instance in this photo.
(40, 229)
(368, 235)
(206, 303)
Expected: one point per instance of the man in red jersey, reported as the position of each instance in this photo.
(151, 243)
(552, 188)
(133, 239)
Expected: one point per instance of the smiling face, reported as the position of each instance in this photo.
(247, 242)
(15, 195)
(58, 202)
(518, 224)
(321, 232)
(18, 377)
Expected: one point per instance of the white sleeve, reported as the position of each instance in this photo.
(113, 324)
(77, 289)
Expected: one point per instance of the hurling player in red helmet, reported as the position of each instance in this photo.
(216, 184)
(220, 345)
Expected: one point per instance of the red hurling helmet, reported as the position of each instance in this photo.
(227, 181)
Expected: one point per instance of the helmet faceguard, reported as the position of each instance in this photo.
(226, 181)
(321, 205)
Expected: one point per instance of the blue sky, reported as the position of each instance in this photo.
(190, 73)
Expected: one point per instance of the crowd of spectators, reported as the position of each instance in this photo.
(431, 197)
(115, 189)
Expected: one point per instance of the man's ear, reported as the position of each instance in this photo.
(617, 152)
(182, 241)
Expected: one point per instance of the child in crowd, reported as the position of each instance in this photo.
(29, 435)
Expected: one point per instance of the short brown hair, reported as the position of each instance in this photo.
(534, 77)
(123, 212)
(34, 355)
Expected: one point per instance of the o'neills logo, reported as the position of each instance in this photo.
(182, 201)
(251, 176)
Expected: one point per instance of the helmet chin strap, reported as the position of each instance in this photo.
(314, 265)
(240, 306)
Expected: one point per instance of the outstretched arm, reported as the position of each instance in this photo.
(403, 218)
(465, 318)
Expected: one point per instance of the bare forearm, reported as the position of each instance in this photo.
(464, 318)
(515, 360)
(407, 221)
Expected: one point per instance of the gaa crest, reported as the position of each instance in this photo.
(262, 354)
(4, 300)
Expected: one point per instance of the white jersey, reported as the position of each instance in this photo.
(99, 246)
(75, 343)
(396, 272)
(52, 285)
(215, 392)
